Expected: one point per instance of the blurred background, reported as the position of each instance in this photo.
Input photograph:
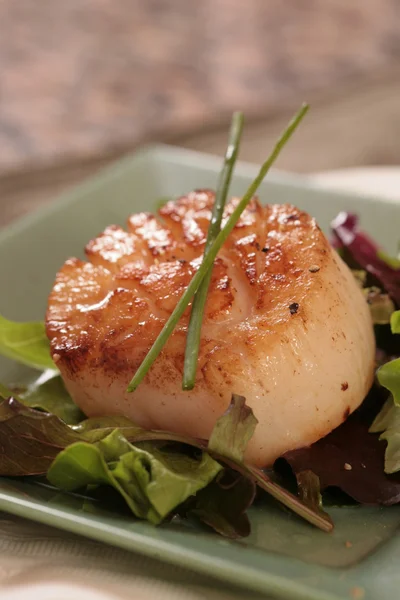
(85, 81)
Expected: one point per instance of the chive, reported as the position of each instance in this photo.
(209, 257)
(196, 315)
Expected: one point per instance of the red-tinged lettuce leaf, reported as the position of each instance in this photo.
(233, 431)
(351, 459)
(292, 502)
(228, 443)
(47, 394)
(365, 253)
(222, 505)
(152, 482)
(30, 439)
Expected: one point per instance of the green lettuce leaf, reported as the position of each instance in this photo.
(391, 261)
(360, 276)
(48, 393)
(389, 377)
(26, 343)
(309, 489)
(395, 322)
(32, 440)
(381, 305)
(233, 431)
(152, 482)
(5, 392)
(387, 421)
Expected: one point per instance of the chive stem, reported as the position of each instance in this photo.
(199, 301)
(209, 257)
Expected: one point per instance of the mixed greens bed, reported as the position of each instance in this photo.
(161, 475)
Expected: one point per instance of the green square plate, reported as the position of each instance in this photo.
(283, 556)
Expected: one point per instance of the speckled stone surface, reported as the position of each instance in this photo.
(81, 77)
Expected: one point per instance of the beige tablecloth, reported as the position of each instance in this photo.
(38, 562)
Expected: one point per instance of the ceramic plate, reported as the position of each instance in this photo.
(283, 556)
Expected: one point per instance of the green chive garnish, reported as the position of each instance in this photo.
(209, 257)
(196, 315)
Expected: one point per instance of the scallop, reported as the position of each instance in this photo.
(285, 325)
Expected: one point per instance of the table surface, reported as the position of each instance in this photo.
(88, 77)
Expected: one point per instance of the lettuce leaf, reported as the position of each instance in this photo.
(387, 421)
(381, 305)
(222, 505)
(152, 482)
(26, 343)
(309, 489)
(352, 459)
(48, 393)
(395, 322)
(366, 253)
(233, 431)
(392, 261)
(32, 440)
(389, 376)
(5, 392)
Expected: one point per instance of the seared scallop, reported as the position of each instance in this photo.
(285, 325)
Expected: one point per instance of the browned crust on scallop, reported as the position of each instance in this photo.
(106, 313)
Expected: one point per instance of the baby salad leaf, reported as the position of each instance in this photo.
(391, 261)
(30, 439)
(360, 276)
(222, 505)
(381, 305)
(365, 253)
(351, 459)
(389, 376)
(310, 491)
(233, 431)
(26, 343)
(5, 392)
(152, 482)
(387, 417)
(49, 394)
(395, 322)
(388, 422)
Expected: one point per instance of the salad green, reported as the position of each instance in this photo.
(26, 343)
(160, 474)
(152, 481)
